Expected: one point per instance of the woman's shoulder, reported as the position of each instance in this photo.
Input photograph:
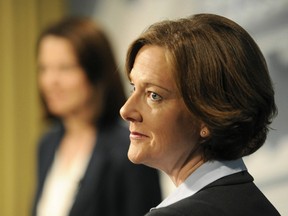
(242, 195)
(187, 207)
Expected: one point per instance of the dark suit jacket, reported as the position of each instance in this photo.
(112, 185)
(233, 195)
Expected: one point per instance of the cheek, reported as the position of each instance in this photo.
(43, 83)
(165, 138)
(83, 95)
(79, 86)
(186, 128)
(166, 127)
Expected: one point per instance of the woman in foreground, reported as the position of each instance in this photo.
(202, 99)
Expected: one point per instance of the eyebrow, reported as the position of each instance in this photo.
(148, 84)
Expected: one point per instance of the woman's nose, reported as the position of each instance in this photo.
(130, 112)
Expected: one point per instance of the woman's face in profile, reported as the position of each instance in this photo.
(162, 131)
(61, 80)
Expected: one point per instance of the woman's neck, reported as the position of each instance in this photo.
(78, 141)
(78, 126)
(184, 168)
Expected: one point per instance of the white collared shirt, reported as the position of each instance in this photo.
(61, 186)
(204, 175)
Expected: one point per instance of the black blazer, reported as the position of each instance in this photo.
(112, 185)
(233, 195)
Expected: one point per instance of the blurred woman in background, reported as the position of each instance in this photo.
(83, 167)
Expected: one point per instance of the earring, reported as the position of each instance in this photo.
(203, 133)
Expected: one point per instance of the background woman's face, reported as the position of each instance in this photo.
(163, 132)
(62, 82)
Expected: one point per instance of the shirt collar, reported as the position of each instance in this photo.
(204, 175)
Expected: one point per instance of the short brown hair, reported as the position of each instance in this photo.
(222, 77)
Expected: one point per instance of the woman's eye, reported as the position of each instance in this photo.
(154, 96)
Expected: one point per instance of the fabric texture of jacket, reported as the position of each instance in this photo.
(235, 195)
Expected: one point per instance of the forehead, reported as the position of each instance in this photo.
(56, 44)
(54, 47)
(52, 40)
(151, 62)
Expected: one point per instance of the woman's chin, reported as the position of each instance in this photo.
(136, 155)
(134, 158)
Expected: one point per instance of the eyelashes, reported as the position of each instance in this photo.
(153, 96)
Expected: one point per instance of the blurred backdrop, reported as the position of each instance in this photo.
(124, 20)
(20, 122)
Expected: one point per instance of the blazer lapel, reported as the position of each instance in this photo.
(49, 146)
(93, 176)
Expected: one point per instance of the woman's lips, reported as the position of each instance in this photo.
(137, 135)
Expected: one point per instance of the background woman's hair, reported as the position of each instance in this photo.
(223, 78)
(94, 53)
